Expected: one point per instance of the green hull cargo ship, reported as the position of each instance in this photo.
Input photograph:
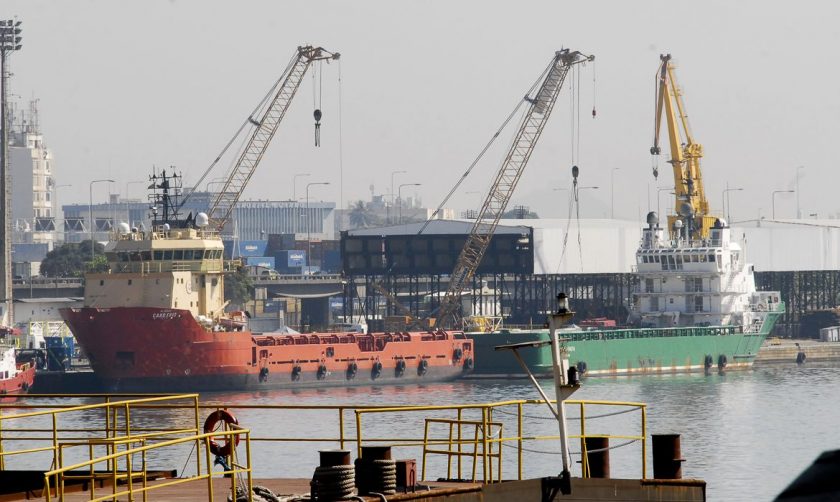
(695, 308)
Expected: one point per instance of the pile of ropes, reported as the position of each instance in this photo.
(376, 477)
(334, 482)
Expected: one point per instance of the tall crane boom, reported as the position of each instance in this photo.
(506, 179)
(691, 205)
(266, 125)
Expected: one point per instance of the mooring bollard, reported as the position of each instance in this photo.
(667, 458)
(334, 479)
(376, 472)
(598, 456)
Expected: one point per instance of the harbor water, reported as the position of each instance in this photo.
(747, 433)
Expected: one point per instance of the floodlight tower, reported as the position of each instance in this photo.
(10, 41)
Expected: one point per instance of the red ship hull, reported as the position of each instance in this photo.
(18, 384)
(144, 349)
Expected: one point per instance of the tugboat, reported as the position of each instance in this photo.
(15, 378)
(156, 321)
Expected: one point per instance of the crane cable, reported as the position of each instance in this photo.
(249, 120)
(487, 146)
(340, 147)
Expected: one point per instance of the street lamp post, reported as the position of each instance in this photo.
(612, 191)
(798, 212)
(309, 222)
(90, 213)
(399, 196)
(773, 199)
(294, 184)
(10, 41)
(393, 201)
(725, 201)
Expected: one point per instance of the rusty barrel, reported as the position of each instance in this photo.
(667, 457)
(371, 453)
(598, 456)
(330, 458)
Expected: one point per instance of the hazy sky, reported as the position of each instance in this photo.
(124, 85)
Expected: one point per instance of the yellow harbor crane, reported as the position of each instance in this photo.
(692, 219)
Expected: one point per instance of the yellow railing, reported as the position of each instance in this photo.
(485, 437)
(472, 433)
(114, 416)
(128, 476)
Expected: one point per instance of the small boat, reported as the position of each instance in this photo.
(15, 378)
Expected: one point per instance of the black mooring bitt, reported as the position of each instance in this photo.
(551, 485)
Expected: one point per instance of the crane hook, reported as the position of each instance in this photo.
(318, 116)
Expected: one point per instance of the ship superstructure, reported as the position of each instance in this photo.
(702, 282)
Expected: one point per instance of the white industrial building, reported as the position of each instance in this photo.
(609, 246)
(33, 186)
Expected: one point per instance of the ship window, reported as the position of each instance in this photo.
(648, 285)
(146, 255)
(158, 255)
(330, 351)
(179, 255)
(654, 303)
(101, 282)
(218, 254)
(698, 304)
(215, 282)
(670, 300)
(167, 255)
(123, 256)
(711, 258)
(129, 282)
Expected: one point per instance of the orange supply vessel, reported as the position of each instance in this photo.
(155, 321)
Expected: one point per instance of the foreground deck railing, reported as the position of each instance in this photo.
(468, 441)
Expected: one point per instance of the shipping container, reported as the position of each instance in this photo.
(261, 261)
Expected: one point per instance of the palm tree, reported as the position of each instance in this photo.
(360, 215)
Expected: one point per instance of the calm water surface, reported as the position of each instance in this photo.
(748, 434)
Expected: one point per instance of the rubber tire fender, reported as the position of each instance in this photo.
(376, 370)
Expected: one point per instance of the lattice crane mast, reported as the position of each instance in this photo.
(690, 204)
(264, 128)
(541, 102)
